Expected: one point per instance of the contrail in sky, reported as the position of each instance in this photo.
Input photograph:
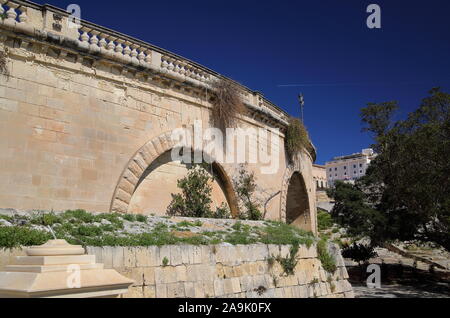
(361, 84)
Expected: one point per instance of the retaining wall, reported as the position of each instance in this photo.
(241, 271)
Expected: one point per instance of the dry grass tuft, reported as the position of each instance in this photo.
(297, 138)
(227, 104)
(3, 63)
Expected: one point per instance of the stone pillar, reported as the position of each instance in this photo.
(60, 270)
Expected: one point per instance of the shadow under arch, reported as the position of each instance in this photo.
(137, 168)
(294, 204)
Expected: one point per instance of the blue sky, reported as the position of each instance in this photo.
(323, 46)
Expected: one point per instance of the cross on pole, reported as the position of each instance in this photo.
(301, 100)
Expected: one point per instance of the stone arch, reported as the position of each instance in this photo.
(143, 158)
(295, 207)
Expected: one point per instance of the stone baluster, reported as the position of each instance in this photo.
(94, 47)
(164, 62)
(119, 50)
(188, 70)
(177, 67)
(148, 57)
(23, 24)
(102, 43)
(182, 68)
(11, 15)
(84, 39)
(127, 52)
(111, 46)
(170, 67)
(2, 10)
(141, 57)
(134, 54)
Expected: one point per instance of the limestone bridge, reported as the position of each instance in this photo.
(86, 115)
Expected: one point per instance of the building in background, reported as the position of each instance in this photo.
(320, 177)
(349, 168)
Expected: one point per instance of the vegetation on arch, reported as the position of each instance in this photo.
(405, 194)
(227, 104)
(297, 138)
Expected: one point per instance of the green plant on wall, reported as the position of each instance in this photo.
(328, 262)
(289, 262)
(296, 138)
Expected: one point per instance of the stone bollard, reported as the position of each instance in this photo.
(60, 270)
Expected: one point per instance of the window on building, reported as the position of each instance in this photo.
(345, 168)
(360, 171)
(360, 165)
(335, 169)
(354, 166)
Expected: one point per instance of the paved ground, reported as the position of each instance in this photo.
(396, 291)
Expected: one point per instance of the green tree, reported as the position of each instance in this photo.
(195, 198)
(405, 194)
(245, 186)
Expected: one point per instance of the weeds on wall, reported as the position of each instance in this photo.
(289, 262)
(226, 104)
(4, 63)
(296, 138)
(328, 262)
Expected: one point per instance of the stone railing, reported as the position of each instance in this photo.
(54, 25)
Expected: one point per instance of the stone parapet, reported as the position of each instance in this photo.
(55, 26)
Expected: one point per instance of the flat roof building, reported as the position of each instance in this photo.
(350, 167)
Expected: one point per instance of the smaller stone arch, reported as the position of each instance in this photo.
(293, 184)
(143, 158)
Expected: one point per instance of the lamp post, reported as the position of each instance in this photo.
(301, 100)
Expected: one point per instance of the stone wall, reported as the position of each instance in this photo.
(240, 271)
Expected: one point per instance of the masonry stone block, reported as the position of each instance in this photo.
(176, 257)
(175, 290)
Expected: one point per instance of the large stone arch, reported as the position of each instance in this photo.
(144, 157)
(295, 195)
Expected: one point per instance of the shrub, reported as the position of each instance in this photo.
(359, 253)
(129, 217)
(195, 199)
(141, 218)
(222, 212)
(226, 104)
(328, 262)
(46, 219)
(296, 138)
(324, 220)
(80, 215)
(245, 186)
(16, 236)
